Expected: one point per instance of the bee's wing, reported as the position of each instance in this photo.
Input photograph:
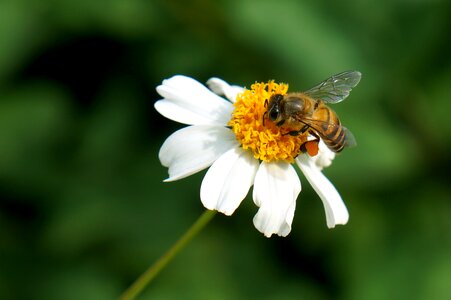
(335, 88)
(349, 138)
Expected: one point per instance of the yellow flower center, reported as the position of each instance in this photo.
(268, 142)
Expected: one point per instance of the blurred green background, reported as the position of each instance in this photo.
(83, 209)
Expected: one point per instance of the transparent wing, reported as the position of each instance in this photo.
(335, 88)
(349, 138)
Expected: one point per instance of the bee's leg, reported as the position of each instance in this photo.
(280, 123)
(314, 134)
(293, 132)
(297, 132)
(304, 129)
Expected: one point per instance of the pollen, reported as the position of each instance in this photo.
(267, 141)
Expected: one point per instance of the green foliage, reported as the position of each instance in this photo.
(83, 209)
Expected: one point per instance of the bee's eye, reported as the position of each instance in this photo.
(273, 114)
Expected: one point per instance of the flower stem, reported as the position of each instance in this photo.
(137, 287)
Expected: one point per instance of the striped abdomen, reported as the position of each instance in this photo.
(328, 127)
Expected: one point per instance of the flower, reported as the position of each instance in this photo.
(229, 136)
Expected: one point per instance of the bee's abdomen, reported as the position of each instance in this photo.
(336, 140)
(333, 134)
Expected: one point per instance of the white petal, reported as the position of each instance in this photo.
(276, 188)
(324, 157)
(336, 212)
(194, 148)
(221, 87)
(188, 101)
(175, 112)
(228, 180)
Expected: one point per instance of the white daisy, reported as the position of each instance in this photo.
(228, 135)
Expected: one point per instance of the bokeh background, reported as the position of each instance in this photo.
(83, 209)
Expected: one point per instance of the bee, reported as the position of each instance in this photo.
(308, 112)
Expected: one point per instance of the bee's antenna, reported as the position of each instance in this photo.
(266, 112)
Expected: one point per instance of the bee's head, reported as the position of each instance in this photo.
(273, 107)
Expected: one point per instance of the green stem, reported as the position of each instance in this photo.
(137, 287)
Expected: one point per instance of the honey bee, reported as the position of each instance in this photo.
(308, 112)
